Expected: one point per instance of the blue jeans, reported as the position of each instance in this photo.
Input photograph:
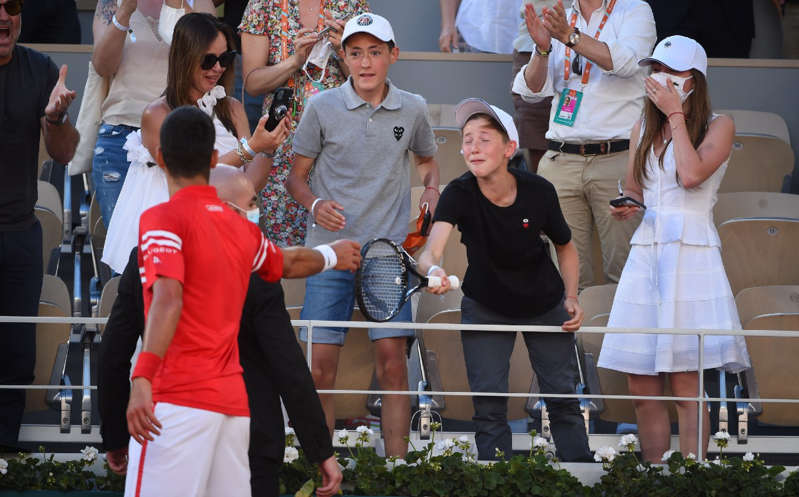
(330, 296)
(487, 355)
(110, 166)
(252, 105)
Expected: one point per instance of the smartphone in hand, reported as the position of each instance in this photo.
(626, 202)
(279, 108)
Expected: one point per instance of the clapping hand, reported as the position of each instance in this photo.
(538, 32)
(555, 22)
(60, 98)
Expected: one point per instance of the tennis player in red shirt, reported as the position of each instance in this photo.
(188, 415)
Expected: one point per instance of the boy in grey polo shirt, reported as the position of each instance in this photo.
(357, 138)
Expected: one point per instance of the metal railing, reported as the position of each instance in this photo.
(446, 327)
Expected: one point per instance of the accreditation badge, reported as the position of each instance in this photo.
(568, 106)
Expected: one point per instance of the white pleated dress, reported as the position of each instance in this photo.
(674, 278)
(146, 186)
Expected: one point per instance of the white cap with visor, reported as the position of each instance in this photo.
(471, 106)
(678, 53)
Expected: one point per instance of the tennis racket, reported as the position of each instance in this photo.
(387, 278)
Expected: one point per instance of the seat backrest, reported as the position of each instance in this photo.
(757, 164)
(56, 293)
(755, 204)
(775, 366)
(449, 158)
(596, 300)
(52, 232)
(760, 252)
(107, 298)
(761, 300)
(97, 226)
(49, 198)
(756, 123)
(452, 368)
(429, 305)
(48, 337)
(293, 291)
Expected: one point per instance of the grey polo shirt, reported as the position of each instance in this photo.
(362, 159)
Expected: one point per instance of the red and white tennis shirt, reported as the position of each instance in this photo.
(197, 240)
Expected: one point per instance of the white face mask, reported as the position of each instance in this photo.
(167, 20)
(319, 56)
(253, 215)
(678, 81)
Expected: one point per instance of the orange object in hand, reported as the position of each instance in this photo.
(416, 240)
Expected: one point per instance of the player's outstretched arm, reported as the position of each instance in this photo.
(300, 262)
(162, 321)
(431, 256)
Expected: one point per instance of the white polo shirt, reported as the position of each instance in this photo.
(612, 100)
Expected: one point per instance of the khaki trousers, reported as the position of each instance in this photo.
(585, 185)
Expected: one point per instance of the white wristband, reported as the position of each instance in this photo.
(123, 28)
(313, 206)
(329, 254)
(247, 148)
(432, 268)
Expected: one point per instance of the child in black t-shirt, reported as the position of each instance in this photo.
(510, 279)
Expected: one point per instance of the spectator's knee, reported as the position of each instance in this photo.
(392, 374)
(324, 376)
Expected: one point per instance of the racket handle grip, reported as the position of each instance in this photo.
(435, 281)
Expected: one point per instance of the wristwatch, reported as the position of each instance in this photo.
(574, 38)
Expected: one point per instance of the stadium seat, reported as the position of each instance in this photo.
(293, 292)
(107, 298)
(55, 292)
(755, 204)
(442, 115)
(760, 252)
(757, 164)
(755, 123)
(97, 227)
(50, 199)
(773, 358)
(450, 160)
(447, 350)
(51, 341)
(52, 232)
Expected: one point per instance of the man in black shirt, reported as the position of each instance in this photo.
(33, 99)
(273, 363)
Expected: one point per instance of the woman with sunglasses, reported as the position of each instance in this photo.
(200, 71)
(284, 44)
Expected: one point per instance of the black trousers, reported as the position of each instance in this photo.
(20, 288)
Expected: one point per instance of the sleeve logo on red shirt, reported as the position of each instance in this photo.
(160, 239)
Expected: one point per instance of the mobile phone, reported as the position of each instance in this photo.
(626, 202)
(279, 108)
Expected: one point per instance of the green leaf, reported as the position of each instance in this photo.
(306, 490)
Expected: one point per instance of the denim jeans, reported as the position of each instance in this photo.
(110, 166)
(330, 296)
(487, 355)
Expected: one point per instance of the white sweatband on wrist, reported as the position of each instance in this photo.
(432, 268)
(329, 254)
(119, 25)
(313, 206)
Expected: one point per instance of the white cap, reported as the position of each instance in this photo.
(678, 53)
(375, 25)
(471, 106)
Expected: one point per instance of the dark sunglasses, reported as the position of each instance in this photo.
(224, 59)
(13, 7)
(577, 66)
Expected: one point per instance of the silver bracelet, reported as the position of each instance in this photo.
(242, 155)
(313, 206)
(247, 148)
(123, 28)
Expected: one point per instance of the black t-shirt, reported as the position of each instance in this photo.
(25, 86)
(509, 267)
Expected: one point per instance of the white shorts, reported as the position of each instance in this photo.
(199, 453)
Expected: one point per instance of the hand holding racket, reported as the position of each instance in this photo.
(387, 278)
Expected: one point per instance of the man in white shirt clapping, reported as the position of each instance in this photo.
(585, 57)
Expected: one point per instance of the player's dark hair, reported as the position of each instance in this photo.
(492, 123)
(187, 142)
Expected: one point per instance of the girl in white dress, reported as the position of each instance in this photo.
(674, 277)
(201, 60)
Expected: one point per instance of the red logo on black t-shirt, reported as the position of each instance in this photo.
(525, 223)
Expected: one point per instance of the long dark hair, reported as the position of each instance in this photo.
(193, 34)
(696, 119)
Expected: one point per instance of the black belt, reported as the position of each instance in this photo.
(602, 148)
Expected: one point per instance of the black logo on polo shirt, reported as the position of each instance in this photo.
(365, 20)
(398, 132)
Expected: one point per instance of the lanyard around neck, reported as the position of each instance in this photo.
(567, 61)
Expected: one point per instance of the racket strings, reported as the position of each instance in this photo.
(383, 282)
